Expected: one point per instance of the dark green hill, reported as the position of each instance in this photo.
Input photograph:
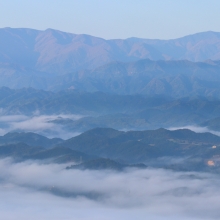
(99, 164)
(140, 146)
(22, 152)
(180, 150)
(104, 164)
(60, 155)
(18, 150)
(29, 138)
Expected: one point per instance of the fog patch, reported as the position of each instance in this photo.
(13, 118)
(196, 129)
(41, 124)
(29, 192)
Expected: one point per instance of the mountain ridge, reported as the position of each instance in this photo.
(57, 52)
(178, 78)
(106, 148)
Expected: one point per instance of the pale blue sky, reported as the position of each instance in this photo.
(162, 19)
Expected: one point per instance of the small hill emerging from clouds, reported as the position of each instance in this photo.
(141, 146)
(103, 148)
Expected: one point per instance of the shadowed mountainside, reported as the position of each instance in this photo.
(32, 139)
(141, 146)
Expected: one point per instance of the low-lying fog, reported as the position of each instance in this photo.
(41, 124)
(45, 125)
(30, 190)
(196, 129)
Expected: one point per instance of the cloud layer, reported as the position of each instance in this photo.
(41, 191)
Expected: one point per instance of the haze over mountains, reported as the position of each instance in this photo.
(57, 60)
(146, 77)
(89, 123)
(131, 84)
(54, 51)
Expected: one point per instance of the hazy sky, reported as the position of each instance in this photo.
(163, 19)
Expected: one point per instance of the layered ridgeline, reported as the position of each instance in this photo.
(145, 77)
(124, 112)
(104, 148)
(55, 60)
(132, 84)
(54, 51)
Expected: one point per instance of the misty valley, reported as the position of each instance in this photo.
(106, 154)
(109, 129)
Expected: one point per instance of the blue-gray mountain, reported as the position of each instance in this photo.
(146, 77)
(55, 60)
(54, 51)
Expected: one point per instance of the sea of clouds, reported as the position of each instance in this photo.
(30, 190)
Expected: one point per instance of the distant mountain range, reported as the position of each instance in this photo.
(55, 60)
(146, 77)
(53, 51)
